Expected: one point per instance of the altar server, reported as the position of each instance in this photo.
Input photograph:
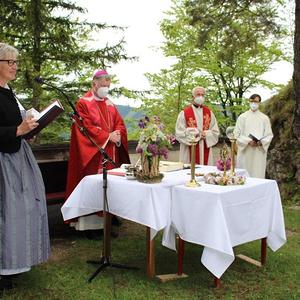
(254, 135)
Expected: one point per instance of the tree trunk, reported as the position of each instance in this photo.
(35, 9)
(296, 75)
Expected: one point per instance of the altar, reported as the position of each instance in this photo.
(146, 204)
(223, 216)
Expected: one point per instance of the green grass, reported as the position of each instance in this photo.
(65, 275)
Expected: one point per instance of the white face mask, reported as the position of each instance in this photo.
(102, 92)
(254, 106)
(199, 100)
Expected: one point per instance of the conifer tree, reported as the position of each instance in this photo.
(55, 42)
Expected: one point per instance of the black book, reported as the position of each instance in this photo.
(44, 117)
(254, 138)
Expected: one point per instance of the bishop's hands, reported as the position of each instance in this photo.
(115, 137)
(26, 126)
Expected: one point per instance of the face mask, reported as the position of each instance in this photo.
(254, 106)
(199, 100)
(102, 92)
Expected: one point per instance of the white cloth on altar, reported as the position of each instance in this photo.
(221, 217)
(253, 159)
(147, 204)
(183, 136)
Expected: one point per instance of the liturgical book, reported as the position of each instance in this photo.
(254, 138)
(44, 117)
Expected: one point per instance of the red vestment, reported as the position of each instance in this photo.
(100, 118)
(191, 122)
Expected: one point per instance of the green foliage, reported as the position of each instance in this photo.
(224, 46)
(55, 42)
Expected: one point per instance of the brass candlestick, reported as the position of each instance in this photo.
(233, 150)
(230, 134)
(224, 156)
(193, 182)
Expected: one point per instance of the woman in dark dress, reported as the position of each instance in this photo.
(24, 235)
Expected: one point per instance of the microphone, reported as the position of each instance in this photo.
(40, 80)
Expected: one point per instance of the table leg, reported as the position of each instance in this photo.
(217, 282)
(150, 254)
(180, 256)
(179, 274)
(263, 253)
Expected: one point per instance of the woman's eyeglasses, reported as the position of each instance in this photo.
(10, 62)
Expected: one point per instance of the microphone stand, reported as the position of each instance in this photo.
(106, 247)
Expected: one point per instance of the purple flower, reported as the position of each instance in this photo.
(228, 163)
(152, 148)
(139, 150)
(172, 139)
(142, 124)
(164, 152)
(220, 164)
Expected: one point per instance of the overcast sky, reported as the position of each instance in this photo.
(143, 38)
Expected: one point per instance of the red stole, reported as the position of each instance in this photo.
(190, 120)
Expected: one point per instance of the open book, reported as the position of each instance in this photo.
(169, 166)
(254, 138)
(44, 117)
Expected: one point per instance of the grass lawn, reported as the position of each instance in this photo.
(65, 275)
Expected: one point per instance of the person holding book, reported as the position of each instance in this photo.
(254, 135)
(24, 234)
(197, 122)
(105, 125)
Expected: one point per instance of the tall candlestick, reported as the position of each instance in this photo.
(230, 132)
(193, 182)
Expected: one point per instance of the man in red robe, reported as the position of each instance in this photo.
(198, 122)
(106, 127)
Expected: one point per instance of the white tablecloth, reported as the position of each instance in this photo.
(147, 204)
(221, 217)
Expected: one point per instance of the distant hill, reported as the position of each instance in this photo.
(127, 111)
(128, 114)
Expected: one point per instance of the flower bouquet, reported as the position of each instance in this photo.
(220, 179)
(153, 144)
(224, 178)
(220, 164)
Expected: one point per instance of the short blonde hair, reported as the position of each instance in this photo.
(197, 88)
(7, 49)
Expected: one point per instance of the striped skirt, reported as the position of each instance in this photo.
(24, 234)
